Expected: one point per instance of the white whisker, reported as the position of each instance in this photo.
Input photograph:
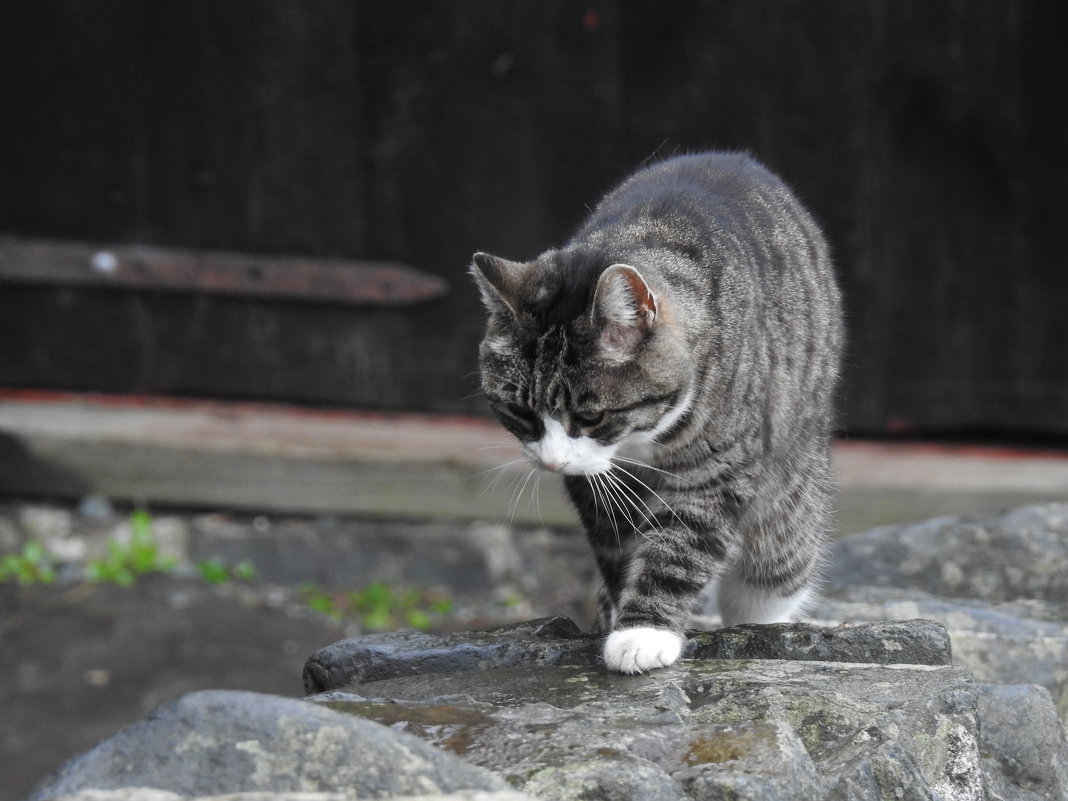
(501, 471)
(624, 497)
(518, 496)
(646, 465)
(516, 481)
(652, 492)
(596, 504)
(536, 497)
(631, 495)
(499, 446)
(599, 495)
(611, 486)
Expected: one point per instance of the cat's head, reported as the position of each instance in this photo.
(579, 361)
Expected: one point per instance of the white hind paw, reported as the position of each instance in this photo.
(640, 649)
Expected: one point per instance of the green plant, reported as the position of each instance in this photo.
(32, 565)
(126, 561)
(379, 607)
(216, 571)
(244, 571)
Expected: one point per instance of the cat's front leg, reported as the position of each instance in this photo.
(666, 575)
(606, 612)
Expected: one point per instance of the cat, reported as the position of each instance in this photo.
(676, 362)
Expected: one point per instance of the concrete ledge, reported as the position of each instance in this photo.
(263, 457)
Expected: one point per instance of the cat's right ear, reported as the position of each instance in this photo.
(624, 309)
(499, 281)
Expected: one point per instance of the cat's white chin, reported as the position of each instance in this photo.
(558, 452)
(582, 466)
(641, 648)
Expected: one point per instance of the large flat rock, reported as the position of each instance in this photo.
(866, 711)
(788, 729)
(558, 641)
(845, 712)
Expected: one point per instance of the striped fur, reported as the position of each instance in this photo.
(676, 362)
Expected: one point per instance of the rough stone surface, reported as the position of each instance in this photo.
(1000, 633)
(153, 794)
(912, 642)
(558, 641)
(543, 712)
(78, 662)
(1018, 554)
(998, 583)
(552, 641)
(216, 742)
(865, 710)
(1022, 743)
(706, 729)
(1006, 643)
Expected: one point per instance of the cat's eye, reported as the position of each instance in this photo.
(588, 419)
(521, 413)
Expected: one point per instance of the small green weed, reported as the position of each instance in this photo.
(216, 571)
(126, 561)
(32, 565)
(379, 607)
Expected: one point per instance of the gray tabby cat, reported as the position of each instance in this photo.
(676, 361)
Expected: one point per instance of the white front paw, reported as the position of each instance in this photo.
(640, 649)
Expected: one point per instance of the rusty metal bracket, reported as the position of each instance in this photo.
(26, 261)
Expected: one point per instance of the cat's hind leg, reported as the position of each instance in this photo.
(745, 601)
(782, 550)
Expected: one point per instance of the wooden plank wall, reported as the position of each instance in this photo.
(929, 137)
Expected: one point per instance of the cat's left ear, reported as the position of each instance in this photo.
(499, 281)
(624, 308)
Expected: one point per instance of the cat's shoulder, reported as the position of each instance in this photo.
(714, 166)
(715, 172)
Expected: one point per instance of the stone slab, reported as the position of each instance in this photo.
(554, 641)
(704, 729)
(273, 458)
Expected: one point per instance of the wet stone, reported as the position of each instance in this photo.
(911, 642)
(871, 710)
(751, 729)
(558, 641)
(216, 741)
(752, 712)
(548, 641)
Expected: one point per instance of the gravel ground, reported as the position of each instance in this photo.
(79, 660)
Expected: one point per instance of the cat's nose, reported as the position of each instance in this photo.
(554, 464)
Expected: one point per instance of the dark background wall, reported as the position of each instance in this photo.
(928, 137)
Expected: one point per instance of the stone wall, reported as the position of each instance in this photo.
(864, 710)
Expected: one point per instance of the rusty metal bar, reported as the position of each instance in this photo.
(27, 261)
